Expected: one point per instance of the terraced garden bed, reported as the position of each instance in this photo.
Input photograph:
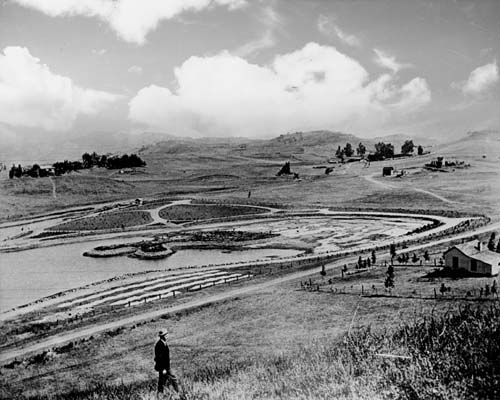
(187, 212)
(111, 220)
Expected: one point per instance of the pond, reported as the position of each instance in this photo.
(32, 274)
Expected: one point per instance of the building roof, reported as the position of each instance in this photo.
(470, 250)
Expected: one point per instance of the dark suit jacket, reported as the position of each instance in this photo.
(162, 356)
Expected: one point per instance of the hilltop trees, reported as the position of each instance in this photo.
(125, 161)
(339, 153)
(348, 151)
(88, 161)
(407, 147)
(384, 150)
(361, 150)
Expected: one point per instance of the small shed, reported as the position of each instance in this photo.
(387, 171)
(474, 258)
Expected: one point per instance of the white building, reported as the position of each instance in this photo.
(473, 257)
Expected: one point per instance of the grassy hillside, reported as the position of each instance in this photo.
(224, 168)
(455, 355)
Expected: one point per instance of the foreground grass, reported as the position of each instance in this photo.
(453, 355)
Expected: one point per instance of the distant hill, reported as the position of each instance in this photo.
(474, 144)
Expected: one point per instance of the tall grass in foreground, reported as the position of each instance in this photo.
(451, 356)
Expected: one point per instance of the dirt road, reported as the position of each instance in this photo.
(60, 339)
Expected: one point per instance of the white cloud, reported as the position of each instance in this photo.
(327, 26)
(270, 21)
(387, 61)
(135, 69)
(132, 20)
(315, 87)
(31, 95)
(481, 79)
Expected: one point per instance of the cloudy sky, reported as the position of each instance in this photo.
(255, 68)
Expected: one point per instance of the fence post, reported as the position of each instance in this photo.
(362, 290)
(435, 294)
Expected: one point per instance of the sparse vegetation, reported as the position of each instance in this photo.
(184, 212)
(107, 220)
(429, 358)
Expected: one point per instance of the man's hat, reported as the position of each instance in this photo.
(163, 333)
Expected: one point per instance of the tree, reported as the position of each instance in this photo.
(498, 246)
(407, 147)
(285, 169)
(414, 259)
(389, 279)
(323, 271)
(392, 250)
(426, 256)
(383, 150)
(339, 153)
(87, 160)
(491, 243)
(360, 262)
(420, 150)
(361, 150)
(368, 262)
(374, 257)
(348, 151)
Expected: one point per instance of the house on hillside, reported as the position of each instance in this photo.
(473, 257)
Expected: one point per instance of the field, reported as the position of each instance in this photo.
(200, 212)
(315, 337)
(272, 344)
(107, 220)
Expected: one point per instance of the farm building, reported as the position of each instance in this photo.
(387, 171)
(473, 257)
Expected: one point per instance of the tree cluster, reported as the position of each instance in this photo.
(382, 151)
(348, 150)
(125, 161)
(88, 161)
(407, 147)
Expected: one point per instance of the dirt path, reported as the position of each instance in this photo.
(54, 191)
(436, 196)
(370, 178)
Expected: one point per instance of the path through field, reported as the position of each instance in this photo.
(370, 178)
(53, 182)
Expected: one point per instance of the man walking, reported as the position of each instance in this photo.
(162, 363)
